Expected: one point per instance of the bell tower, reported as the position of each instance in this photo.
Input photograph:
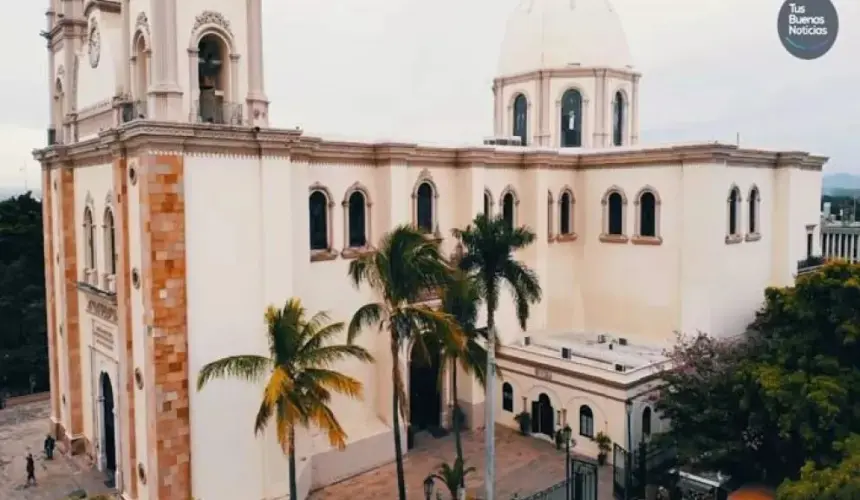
(197, 61)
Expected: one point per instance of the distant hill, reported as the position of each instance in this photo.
(841, 184)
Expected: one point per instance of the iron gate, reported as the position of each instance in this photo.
(583, 480)
(620, 465)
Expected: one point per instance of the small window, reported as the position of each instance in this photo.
(586, 422)
(753, 210)
(565, 222)
(571, 119)
(508, 207)
(90, 239)
(488, 203)
(646, 422)
(521, 118)
(507, 397)
(357, 214)
(616, 214)
(424, 207)
(648, 214)
(110, 241)
(734, 211)
(618, 119)
(808, 245)
(319, 220)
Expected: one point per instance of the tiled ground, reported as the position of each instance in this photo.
(22, 430)
(524, 465)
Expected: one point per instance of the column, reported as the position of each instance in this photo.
(125, 82)
(194, 90)
(167, 95)
(258, 104)
(634, 115)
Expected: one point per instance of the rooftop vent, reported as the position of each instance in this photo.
(620, 368)
(527, 340)
(622, 341)
(503, 141)
(565, 353)
(601, 339)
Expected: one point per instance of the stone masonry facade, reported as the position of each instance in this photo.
(162, 205)
(50, 301)
(70, 329)
(123, 293)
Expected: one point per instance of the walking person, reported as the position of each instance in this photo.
(31, 470)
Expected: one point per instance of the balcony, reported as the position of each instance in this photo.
(223, 113)
(810, 264)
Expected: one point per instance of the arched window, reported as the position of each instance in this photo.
(734, 211)
(424, 207)
(110, 242)
(586, 421)
(753, 210)
(507, 397)
(488, 204)
(521, 114)
(571, 119)
(214, 81)
(646, 422)
(564, 214)
(508, 209)
(616, 214)
(90, 239)
(318, 211)
(647, 214)
(357, 219)
(618, 119)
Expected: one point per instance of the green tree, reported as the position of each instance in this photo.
(762, 407)
(300, 379)
(453, 477)
(401, 271)
(23, 331)
(840, 482)
(461, 299)
(490, 244)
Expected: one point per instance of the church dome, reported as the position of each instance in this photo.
(555, 34)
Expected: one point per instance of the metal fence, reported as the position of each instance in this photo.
(583, 484)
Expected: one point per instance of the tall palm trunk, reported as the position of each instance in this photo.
(294, 494)
(490, 398)
(395, 403)
(457, 438)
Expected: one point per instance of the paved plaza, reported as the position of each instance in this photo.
(524, 465)
(22, 430)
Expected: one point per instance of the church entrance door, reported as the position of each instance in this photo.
(108, 427)
(543, 416)
(425, 400)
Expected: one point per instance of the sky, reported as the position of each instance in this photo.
(418, 70)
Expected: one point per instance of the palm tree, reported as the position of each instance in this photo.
(453, 477)
(406, 265)
(300, 382)
(489, 245)
(460, 299)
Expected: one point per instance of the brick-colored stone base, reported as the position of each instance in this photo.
(69, 268)
(50, 297)
(162, 205)
(123, 292)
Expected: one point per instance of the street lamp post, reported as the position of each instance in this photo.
(428, 487)
(565, 433)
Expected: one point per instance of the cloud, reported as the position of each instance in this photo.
(422, 71)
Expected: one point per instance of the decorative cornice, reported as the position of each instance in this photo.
(210, 17)
(576, 72)
(108, 6)
(223, 140)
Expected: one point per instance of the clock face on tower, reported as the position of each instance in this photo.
(94, 46)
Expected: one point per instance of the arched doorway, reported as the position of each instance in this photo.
(425, 399)
(108, 428)
(543, 416)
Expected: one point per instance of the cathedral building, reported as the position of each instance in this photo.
(175, 212)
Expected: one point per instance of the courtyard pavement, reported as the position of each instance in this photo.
(23, 429)
(524, 465)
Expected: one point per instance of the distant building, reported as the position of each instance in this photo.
(174, 214)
